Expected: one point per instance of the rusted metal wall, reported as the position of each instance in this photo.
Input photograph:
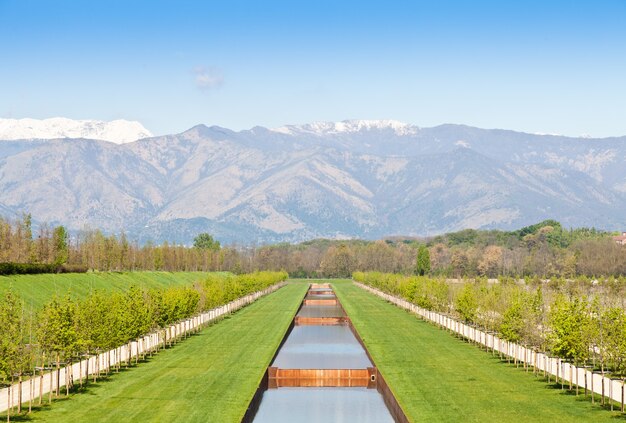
(390, 400)
(279, 378)
(320, 302)
(320, 321)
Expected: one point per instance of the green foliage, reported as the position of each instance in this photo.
(513, 321)
(533, 229)
(101, 319)
(37, 290)
(96, 321)
(27, 268)
(613, 327)
(104, 320)
(57, 333)
(466, 304)
(338, 262)
(571, 325)
(193, 382)
(61, 249)
(423, 261)
(424, 364)
(205, 241)
(10, 335)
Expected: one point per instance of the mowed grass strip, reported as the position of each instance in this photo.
(210, 377)
(437, 377)
(36, 290)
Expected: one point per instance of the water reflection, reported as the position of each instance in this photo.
(321, 311)
(319, 344)
(309, 405)
(321, 297)
(321, 347)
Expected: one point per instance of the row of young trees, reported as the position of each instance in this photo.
(578, 320)
(66, 328)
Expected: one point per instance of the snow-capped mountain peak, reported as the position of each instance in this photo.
(117, 131)
(349, 126)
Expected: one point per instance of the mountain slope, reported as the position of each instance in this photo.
(346, 179)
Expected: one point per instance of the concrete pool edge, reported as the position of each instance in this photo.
(340, 378)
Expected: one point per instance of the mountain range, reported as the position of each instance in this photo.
(118, 131)
(347, 179)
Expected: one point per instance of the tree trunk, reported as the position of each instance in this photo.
(41, 385)
(31, 389)
(19, 394)
(67, 380)
(51, 385)
(80, 372)
(96, 366)
(87, 369)
(58, 392)
(593, 400)
(9, 404)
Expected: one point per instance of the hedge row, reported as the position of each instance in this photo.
(37, 268)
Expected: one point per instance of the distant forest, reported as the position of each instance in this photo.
(545, 249)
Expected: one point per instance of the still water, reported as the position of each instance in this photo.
(320, 297)
(321, 311)
(315, 405)
(322, 347)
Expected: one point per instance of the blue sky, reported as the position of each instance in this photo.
(537, 66)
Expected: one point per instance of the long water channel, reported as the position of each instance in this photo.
(322, 372)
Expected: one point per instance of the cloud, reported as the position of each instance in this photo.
(207, 78)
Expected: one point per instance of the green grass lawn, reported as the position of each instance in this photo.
(437, 377)
(210, 377)
(36, 290)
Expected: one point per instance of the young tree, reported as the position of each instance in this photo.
(466, 303)
(512, 325)
(614, 337)
(570, 326)
(57, 329)
(423, 261)
(61, 250)
(11, 342)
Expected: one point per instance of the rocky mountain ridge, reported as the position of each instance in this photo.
(341, 179)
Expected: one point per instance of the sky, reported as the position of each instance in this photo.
(535, 66)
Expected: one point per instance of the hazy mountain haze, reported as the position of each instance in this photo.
(325, 179)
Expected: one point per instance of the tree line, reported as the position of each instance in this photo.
(579, 320)
(545, 249)
(67, 328)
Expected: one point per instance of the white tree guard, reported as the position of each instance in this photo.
(49, 381)
(566, 372)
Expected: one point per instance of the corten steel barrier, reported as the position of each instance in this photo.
(564, 372)
(253, 407)
(320, 321)
(320, 302)
(52, 381)
(390, 400)
(380, 384)
(298, 378)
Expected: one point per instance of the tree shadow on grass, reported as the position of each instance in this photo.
(87, 388)
(553, 386)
